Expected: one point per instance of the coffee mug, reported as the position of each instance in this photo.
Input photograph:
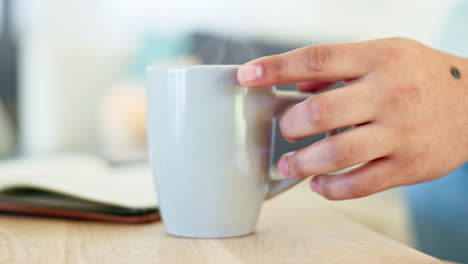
(210, 148)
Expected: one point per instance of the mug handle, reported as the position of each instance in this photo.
(283, 100)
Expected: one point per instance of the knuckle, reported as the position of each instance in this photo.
(285, 128)
(307, 118)
(295, 167)
(395, 49)
(278, 69)
(405, 93)
(317, 58)
(391, 53)
(358, 189)
(342, 152)
(317, 107)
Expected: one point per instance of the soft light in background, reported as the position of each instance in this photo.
(71, 53)
(81, 65)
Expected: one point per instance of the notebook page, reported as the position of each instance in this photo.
(82, 176)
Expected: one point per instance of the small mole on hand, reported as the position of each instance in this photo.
(455, 73)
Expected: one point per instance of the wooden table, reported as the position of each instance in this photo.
(293, 228)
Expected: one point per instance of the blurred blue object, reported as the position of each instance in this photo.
(439, 209)
(439, 215)
(157, 47)
(454, 35)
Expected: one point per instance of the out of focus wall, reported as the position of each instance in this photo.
(71, 51)
(295, 20)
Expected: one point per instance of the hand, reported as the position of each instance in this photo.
(408, 103)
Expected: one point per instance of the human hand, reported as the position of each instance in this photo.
(406, 100)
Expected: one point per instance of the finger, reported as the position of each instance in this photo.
(372, 177)
(352, 147)
(312, 86)
(334, 109)
(326, 63)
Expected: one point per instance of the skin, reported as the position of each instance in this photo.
(410, 113)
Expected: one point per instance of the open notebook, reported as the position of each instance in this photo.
(78, 186)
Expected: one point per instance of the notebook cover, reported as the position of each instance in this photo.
(24, 209)
(32, 201)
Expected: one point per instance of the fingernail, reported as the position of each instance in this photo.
(283, 167)
(250, 73)
(314, 185)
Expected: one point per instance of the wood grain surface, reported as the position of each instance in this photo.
(293, 228)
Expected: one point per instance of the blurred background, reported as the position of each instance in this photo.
(71, 72)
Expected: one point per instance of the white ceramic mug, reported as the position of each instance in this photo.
(210, 148)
